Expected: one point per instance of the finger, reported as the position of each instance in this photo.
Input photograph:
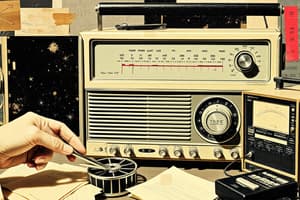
(40, 166)
(53, 143)
(43, 158)
(14, 161)
(66, 134)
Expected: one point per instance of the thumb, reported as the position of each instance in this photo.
(54, 143)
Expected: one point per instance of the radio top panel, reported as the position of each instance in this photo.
(239, 59)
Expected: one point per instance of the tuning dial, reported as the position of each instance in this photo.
(246, 64)
(216, 119)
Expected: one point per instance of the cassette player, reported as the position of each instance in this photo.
(260, 184)
(271, 129)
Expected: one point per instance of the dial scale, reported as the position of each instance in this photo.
(173, 60)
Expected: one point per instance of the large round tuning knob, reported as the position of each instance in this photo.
(246, 64)
(216, 119)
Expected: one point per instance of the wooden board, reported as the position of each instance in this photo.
(9, 15)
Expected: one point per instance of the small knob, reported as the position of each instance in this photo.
(113, 150)
(235, 154)
(178, 152)
(193, 152)
(247, 65)
(128, 150)
(218, 153)
(163, 152)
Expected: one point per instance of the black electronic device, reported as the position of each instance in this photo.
(189, 15)
(271, 129)
(256, 185)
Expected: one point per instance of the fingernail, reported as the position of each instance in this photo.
(40, 161)
(40, 167)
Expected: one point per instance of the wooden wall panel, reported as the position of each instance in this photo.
(9, 15)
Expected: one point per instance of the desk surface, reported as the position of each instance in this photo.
(149, 169)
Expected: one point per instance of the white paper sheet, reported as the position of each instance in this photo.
(174, 184)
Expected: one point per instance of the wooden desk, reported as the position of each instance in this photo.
(149, 169)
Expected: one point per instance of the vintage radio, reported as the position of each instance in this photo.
(171, 93)
(271, 130)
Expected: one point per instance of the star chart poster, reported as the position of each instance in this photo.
(43, 77)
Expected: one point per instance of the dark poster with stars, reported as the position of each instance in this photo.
(43, 77)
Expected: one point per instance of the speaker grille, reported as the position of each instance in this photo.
(144, 116)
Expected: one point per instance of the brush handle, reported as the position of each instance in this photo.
(89, 160)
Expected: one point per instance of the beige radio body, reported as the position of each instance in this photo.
(172, 93)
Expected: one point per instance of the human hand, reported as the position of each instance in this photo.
(32, 139)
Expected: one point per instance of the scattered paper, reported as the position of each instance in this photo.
(55, 182)
(174, 184)
(86, 192)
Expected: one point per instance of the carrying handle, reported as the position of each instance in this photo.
(209, 9)
(281, 80)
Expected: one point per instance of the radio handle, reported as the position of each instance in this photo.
(238, 9)
(281, 80)
(209, 9)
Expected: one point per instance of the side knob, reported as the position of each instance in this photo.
(246, 64)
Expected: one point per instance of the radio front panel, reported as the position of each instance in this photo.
(181, 59)
(164, 125)
(189, 60)
(271, 131)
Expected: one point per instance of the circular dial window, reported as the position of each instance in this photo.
(217, 120)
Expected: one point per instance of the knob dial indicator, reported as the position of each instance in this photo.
(217, 120)
(245, 62)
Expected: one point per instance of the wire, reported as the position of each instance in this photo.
(266, 22)
(248, 155)
(229, 165)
